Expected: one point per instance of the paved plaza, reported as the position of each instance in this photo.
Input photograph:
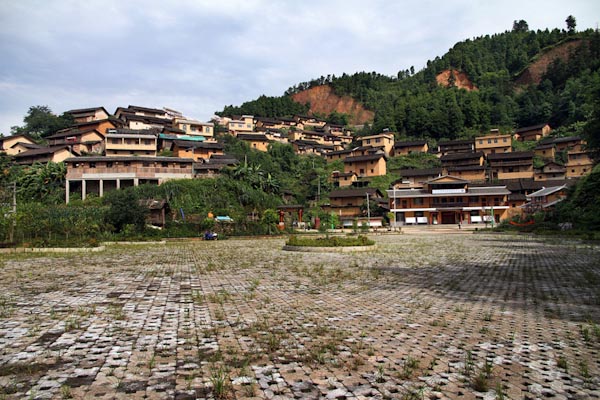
(424, 315)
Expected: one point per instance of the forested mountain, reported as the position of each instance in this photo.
(509, 89)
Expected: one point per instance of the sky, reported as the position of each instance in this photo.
(197, 56)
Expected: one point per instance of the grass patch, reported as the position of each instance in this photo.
(327, 241)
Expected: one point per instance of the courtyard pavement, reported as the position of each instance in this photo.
(423, 316)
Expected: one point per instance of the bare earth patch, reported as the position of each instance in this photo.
(422, 316)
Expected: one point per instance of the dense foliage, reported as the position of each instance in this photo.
(414, 105)
(266, 106)
(40, 122)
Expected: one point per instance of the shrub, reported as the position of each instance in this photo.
(333, 241)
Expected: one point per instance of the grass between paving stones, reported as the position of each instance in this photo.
(424, 315)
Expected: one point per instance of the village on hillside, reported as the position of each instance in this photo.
(481, 180)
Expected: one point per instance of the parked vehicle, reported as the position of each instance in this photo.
(208, 235)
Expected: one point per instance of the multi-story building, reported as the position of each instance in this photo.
(493, 143)
(550, 171)
(383, 140)
(196, 150)
(448, 200)
(578, 163)
(43, 155)
(349, 204)
(456, 146)
(257, 141)
(532, 133)
(81, 141)
(409, 147)
(8, 143)
(514, 165)
(88, 114)
(97, 175)
(127, 142)
(545, 151)
(417, 177)
(245, 123)
(366, 165)
(194, 128)
(545, 198)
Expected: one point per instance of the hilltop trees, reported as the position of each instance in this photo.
(40, 122)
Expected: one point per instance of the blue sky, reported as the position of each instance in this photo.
(197, 55)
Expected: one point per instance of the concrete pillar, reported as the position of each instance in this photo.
(136, 181)
(118, 184)
(101, 188)
(83, 189)
(67, 190)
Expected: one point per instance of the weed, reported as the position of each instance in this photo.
(220, 382)
(487, 316)
(562, 363)
(409, 366)
(584, 370)
(500, 392)
(480, 382)
(65, 392)
(380, 374)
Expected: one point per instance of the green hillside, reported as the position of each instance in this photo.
(415, 105)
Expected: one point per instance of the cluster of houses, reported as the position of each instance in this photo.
(480, 180)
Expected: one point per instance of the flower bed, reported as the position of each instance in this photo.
(333, 241)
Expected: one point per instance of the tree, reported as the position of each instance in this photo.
(571, 24)
(520, 26)
(124, 209)
(40, 122)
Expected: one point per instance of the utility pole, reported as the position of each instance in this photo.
(368, 212)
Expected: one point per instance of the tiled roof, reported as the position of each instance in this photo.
(410, 144)
(545, 191)
(40, 151)
(362, 192)
(531, 128)
(510, 156)
(128, 158)
(420, 172)
(369, 157)
(252, 137)
(461, 156)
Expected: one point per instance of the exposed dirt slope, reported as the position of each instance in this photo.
(461, 80)
(323, 101)
(533, 74)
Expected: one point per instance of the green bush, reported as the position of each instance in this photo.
(329, 241)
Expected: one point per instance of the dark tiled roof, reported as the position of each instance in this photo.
(252, 137)
(461, 156)
(467, 168)
(128, 158)
(456, 142)
(420, 172)
(410, 144)
(73, 132)
(566, 139)
(531, 128)
(370, 157)
(338, 152)
(354, 192)
(40, 151)
(198, 145)
(90, 110)
(146, 109)
(510, 156)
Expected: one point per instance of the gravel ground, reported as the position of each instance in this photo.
(423, 316)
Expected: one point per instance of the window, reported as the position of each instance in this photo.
(92, 165)
(489, 141)
(418, 201)
(377, 140)
(109, 164)
(368, 141)
(127, 163)
(372, 171)
(362, 171)
(481, 142)
(505, 140)
(115, 141)
(164, 164)
(495, 140)
(182, 165)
